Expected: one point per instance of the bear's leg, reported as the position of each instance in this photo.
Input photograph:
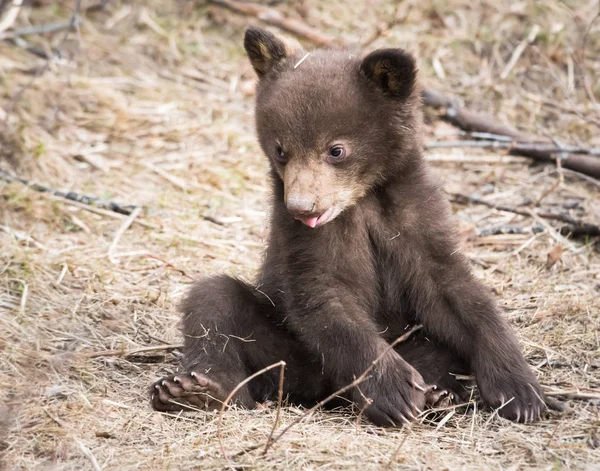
(439, 366)
(230, 332)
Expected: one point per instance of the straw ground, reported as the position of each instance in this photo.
(150, 103)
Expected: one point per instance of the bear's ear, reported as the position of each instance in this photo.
(265, 50)
(393, 71)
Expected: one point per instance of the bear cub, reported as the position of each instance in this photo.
(362, 248)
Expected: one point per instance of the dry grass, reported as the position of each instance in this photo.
(150, 105)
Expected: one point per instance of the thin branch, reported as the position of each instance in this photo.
(353, 384)
(73, 196)
(42, 29)
(515, 147)
(232, 393)
(575, 227)
(171, 266)
(135, 351)
(519, 51)
(126, 225)
(275, 18)
(279, 401)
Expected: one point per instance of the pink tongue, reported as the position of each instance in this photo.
(310, 222)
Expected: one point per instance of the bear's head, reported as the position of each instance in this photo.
(335, 126)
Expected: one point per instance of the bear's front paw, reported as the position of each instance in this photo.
(515, 392)
(395, 395)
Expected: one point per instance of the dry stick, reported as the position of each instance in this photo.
(454, 113)
(232, 393)
(73, 196)
(519, 51)
(279, 401)
(171, 266)
(514, 146)
(275, 18)
(397, 450)
(126, 225)
(87, 453)
(575, 227)
(42, 29)
(353, 384)
(135, 351)
(469, 120)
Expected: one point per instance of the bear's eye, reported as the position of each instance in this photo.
(281, 155)
(337, 153)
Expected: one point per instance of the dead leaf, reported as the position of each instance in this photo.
(554, 256)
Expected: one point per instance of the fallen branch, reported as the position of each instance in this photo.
(454, 112)
(73, 196)
(514, 147)
(575, 227)
(526, 145)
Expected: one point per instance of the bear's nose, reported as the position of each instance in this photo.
(300, 206)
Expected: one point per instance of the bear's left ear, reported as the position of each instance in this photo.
(394, 71)
(265, 50)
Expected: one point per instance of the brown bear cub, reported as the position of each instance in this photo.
(362, 247)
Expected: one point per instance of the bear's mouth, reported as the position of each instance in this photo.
(315, 221)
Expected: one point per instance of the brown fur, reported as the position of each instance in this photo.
(331, 298)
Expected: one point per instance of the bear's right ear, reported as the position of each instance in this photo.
(393, 71)
(264, 49)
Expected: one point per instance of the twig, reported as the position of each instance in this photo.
(42, 29)
(275, 18)
(574, 226)
(279, 401)
(509, 229)
(232, 393)
(22, 236)
(386, 27)
(573, 364)
(573, 394)
(519, 50)
(396, 451)
(35, 50)
(135, 351)
(71, 195)
(126, 225)
(88, 454)
(515, 147)
(170, 265)
(353, 384)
